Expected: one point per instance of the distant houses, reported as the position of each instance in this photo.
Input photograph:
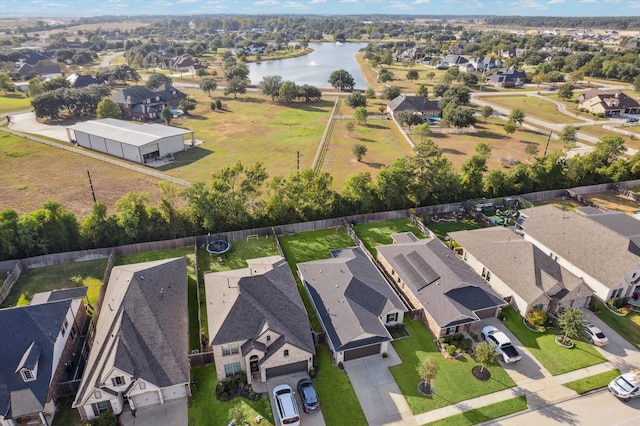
(507, 77)
(609, 103)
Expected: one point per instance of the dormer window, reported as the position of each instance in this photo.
(268, 339)
(28, 366)
(27, 375)
(118, 381)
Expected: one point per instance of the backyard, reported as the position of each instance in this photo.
(454, 381)
(312, 245)
(375, 234)
(441, 229)
(613, 201)
(553, 357)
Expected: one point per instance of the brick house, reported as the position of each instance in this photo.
(609, 103)
(140, 103)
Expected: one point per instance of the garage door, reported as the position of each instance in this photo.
(486, 313)
(282, 370)
(580, 303)
(146, 399)
(362, 352)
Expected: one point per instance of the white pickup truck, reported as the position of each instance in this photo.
(496, 338)
(626, 386)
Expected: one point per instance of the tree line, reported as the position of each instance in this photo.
(244, 196)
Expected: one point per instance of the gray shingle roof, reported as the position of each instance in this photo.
(450, 299)
(610, 99)
(23, 328)
(143, 326)
(55, 295)
(350, 295)
(242, 302)
(593, 247)
(528, 271)
(412, 103)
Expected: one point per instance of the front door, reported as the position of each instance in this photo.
(254, 366)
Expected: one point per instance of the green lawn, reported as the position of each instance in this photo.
(375, 234)
(338, 399)
(14, 102)
(483, 414)
(441, 229)
(65, 415)
(312, 245)
(205, 409)
(37, 280)
(628, 326)
(553, 357)
(590, 383)
(454, 382)
(533, 107)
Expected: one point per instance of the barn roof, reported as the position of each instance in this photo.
(128, 132)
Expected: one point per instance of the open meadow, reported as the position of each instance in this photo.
(533, 107)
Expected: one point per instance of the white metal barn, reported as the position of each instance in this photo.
(134, 142)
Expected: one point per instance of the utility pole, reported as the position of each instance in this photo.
(298, 161)
(91, 186)
(547, 147)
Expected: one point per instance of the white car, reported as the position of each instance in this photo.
(594, 335)
(286, 406)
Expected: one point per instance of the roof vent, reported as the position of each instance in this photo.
(161, 293)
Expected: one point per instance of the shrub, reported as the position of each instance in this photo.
(341, 365)
(218, 104)
(466, 345)
(451, 350)
(536, 317)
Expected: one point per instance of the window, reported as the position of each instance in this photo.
(466, 255)
(232, 369)
(488, 275)
(101, 407)
(65, 324)
(117, 381)
(268, 338)
(452, 330)
(484, 272)
(230, 349)
(553, 257)
(72, 336)
(143, 386)
(97, 394)
(27, 375)
(392, 317)
(286, 352)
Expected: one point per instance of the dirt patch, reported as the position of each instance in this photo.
(480, 373)
(612, 201)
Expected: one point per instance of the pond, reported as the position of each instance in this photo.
(314, 68)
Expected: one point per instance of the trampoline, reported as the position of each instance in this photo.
(218, 247)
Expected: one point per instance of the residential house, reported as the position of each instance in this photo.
(610, 103)
(140, 103)
(353, 301)
(520, 272)
(180, 63)
(453, 60)
(417, 104)
(603, 248)
(452, 297)
(257, 321)
(507, 77)
(37, 341)
(140, 348)
(632, 44)
(511, 53)
(44, 72)
(77, 80)
(485, 63)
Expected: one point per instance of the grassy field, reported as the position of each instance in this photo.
(375, 234)
(533, 107)
(597, 381)
(14, 101)
(599, 132)
(384, 145)
(573, 106)
(70, 275)
(627, 326)
(204, 407)
(34, 173)
(458, 148)
(250, 128)
(484, 414)
(312, 245)
(613, 201)
(566, 204)
(553, 357)
(454, 382)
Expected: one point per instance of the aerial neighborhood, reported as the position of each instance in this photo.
(309, 218)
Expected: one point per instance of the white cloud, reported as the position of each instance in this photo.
(348, 1)
(266, 3)
(188, 1)
(587, 1)
(294, 5)
(317, 1)
(556, 1)
(422, 1)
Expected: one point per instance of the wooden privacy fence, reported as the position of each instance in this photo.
(202, 358)
(10, 280)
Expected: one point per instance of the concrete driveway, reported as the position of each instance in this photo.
(26, 122)
(306, 419)
(172, 413)
(619, 352)
(377, 391)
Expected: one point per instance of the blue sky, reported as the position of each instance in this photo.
(75, 8)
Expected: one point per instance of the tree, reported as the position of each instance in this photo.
(509, 127)
(423, 91)
(469, 79)
(390, 92)
(459, 95)
(309, 93)
(517, 116)
(636, 84)
(408, 118)
(156, 80)
(483, 149)
(440, 89)
(201, 72)
(413, 75)
(349, 126)
(531, 149)
(360, 115)
(555, 77)
(486, 355)
(566, 91)
(423, 130)
(35, 87)
(428, 371)
(486, 112)
(608, 149)
(386, 75)
(430, 75)
(270, 86)
(107, 108)
(5, 82)
(234, 86)
(288, 92)
(370, 93)
(568, 136)
(219, 104)
(471, 174)
(453, 115)
(208, 84)
(359, 150)
(212, 105)
(356, 99)
(167, 115)
(571, 323)
(342, 80)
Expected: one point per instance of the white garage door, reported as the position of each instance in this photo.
(148, 149)
(83, 139)
(98, 143)
(146, 399)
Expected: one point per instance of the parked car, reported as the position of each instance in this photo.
(286, 406)
(626, 386)
(496, 338)
(308, 396)
(633, 120)
(594, 335)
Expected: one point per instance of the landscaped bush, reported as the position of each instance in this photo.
(451, 350)
(536, 317)
(234, 386)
